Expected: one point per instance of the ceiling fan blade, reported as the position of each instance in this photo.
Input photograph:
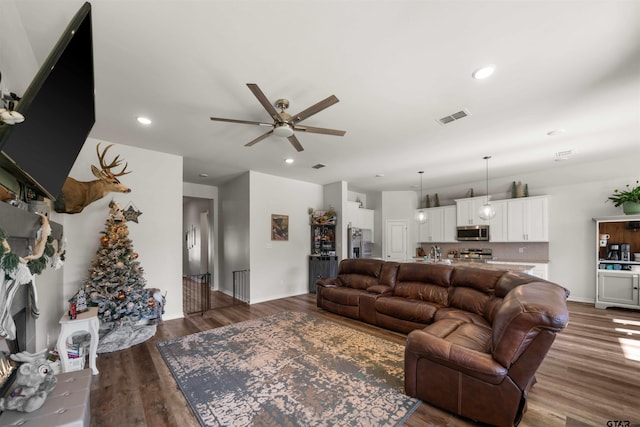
(323, 131)
(296, 144)
(316, 108)
(258, 139)
(264, 101)
(246, 122)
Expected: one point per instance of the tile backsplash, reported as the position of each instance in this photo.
(520, 251)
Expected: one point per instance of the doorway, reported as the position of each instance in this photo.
(395, 246)
(197, 253)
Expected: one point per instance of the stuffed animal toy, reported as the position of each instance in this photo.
(34, 381)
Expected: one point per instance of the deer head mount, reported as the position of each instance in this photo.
(76, 195)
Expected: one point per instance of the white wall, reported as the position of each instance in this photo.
(208, 192)
(280, 268)
(335, 196)
(156, 184)
(234, 230)
(400, 205)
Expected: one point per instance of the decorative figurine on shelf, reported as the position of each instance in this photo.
(34, 381)
(73, 314)
(81, 301)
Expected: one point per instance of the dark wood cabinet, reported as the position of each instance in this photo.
(321, 267)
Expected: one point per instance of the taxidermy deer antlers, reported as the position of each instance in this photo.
(77, 195)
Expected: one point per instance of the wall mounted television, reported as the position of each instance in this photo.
(59, 110)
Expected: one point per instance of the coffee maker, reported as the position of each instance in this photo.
(613, 252)
(625, 252)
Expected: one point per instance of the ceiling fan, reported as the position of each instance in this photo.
(284, 125)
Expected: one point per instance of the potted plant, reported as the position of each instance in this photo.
(629, 198)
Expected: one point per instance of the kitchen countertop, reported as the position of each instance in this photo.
(494, 265)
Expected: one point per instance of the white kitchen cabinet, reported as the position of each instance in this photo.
(440, 225)
(617, 288)
(617, 280)
(467, 211)
(449, 223)
(528, 219)
(498, 224)
(359, 217)
(538, 269)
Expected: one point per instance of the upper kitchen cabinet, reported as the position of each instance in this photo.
(498, 224)
(528, 219)
(467, 211)
(359, 217)
(440, 225)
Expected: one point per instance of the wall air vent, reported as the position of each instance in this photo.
(453, 117)
(318, 166)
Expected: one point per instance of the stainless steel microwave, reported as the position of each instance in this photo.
(473, 232)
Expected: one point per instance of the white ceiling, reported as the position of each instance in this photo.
(396, 66)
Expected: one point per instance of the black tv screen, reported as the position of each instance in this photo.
(59, 111)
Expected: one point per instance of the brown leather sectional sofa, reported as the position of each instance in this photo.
(476, 336)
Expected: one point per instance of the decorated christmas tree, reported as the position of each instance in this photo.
(116, 283)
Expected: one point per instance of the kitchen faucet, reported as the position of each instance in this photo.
(434, 253)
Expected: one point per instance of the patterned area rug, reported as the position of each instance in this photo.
(290, 369)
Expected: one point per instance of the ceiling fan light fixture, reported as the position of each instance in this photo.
(283, 130)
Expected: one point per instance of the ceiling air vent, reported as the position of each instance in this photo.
(563, 155)
(318, 166)
(453, 117)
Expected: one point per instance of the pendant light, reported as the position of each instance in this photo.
(421, 215)
(487, 211)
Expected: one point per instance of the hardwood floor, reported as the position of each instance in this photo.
(590, 376)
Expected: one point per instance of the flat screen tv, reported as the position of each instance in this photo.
(59, 111)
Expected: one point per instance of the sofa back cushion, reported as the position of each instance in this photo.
(473, 289)
(389, 273)
(511, 279)
(426, 282)
(524, 312)
(360, 273)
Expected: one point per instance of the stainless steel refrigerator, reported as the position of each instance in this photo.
(359, 242)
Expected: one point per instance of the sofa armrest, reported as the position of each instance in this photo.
(423, 345)
(329, 282)
(380, 289)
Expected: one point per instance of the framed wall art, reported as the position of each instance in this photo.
(279, 227)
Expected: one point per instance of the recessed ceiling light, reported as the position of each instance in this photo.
(379, 175)
(144, 120)
(204, 175)
(556, 132)
(288, 161)
(484, 72)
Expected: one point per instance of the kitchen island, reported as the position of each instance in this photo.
(492, 265)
